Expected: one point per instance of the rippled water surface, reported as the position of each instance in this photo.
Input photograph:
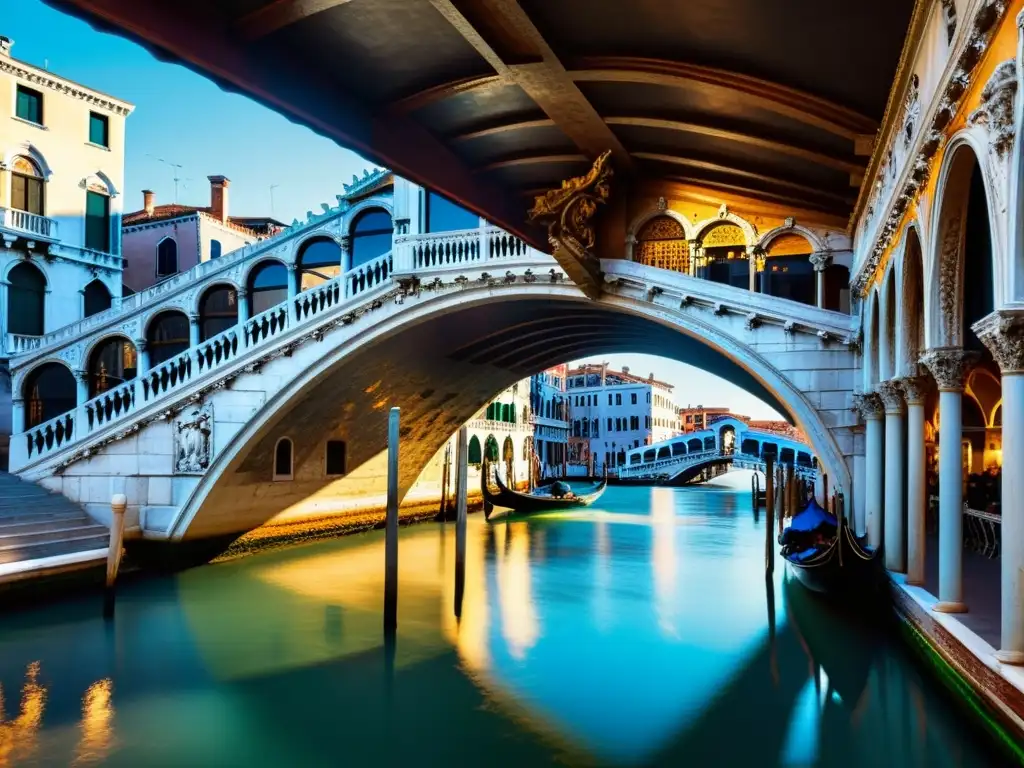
(640, 632)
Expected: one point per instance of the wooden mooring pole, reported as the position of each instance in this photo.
(118, 504)
(769, 512)
(391, 528)
(790, 494)
(461, 491)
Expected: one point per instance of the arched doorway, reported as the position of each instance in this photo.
(662, 243)
(48, 391)
(508, 455)
(723, 256)
(112, 362)
(371, 235)
(788, 272)
(26, 300)
(491, 448)
(319, 260)
(97, 298)
(218, 311)
(475, 455)
(267, 286)
(727, 440)
(167, 336)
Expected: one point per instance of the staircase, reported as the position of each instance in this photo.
(43, 532)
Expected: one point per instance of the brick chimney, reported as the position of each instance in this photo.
(219, 197)
(148, 201)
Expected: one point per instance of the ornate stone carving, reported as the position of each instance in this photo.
(911, 112)
(1002, 332)
(753, 321)
(948, 366)
(949, 17)
(868, 405)
(820, 260)
(892, 395)
(949, 275)
(193, 441)
(568, 212)
(662, 204)
(915, 389)
(996, 115)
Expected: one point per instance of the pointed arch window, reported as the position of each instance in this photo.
(662, 243)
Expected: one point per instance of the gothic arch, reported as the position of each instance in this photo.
(887, 324)
(871, 341)
(910, 312)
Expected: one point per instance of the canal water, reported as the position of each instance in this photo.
(638, 632)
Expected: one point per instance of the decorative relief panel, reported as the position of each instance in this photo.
(662, 243)
(193, 440)
(724, 234)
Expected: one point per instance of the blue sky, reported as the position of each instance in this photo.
(183, 118)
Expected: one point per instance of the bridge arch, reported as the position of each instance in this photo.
(487, 332)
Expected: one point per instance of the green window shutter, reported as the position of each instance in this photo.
(97, 221)
(98, 129)
(29, 105)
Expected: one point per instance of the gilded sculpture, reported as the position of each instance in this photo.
(570, 209)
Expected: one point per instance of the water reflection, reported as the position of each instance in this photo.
(640, 633)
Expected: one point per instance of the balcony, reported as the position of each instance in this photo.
(16, 344)
(28, 225)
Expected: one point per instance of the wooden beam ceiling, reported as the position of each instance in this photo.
(528, 61)
(279, 14)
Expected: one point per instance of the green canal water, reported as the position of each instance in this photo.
(639, 632)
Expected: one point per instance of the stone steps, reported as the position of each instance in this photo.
(37, 526)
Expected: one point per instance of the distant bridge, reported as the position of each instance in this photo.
(728, 441)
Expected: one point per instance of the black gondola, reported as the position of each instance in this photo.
(836, 564)
(538, 501)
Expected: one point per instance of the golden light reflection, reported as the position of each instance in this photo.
(19, 738)
(519, 624)
(468, 634)
(663, 559)
(603, 577)
(97, 723)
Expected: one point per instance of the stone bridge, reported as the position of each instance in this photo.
(233, 430)
(726, 441)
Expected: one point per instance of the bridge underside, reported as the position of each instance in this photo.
(440, 373)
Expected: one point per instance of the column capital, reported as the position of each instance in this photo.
(915, 389)
(193, 318)
(241, 293)
(892, 395)
(346, 242)
(868, 405)
(821, 260)
(81, 374)
(140, 345)
(1002, 332)
(948, 366)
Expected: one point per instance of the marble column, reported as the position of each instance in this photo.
(821, 262)
(914, 390)
(142, 355)
(81, 387)
(948, 366)
(751, 269)
(242, 302)
(1003, 333)
(892, 397)
(17, 415)
(869, 404)
(293, 291)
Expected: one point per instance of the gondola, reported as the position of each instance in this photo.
(539, 501)
(839, 566)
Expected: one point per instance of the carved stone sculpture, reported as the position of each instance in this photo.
(193, 440)
(892, 395)
(868, 405)
(948, 366)
(1002, 332)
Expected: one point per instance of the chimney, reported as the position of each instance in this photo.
(219, 197)
(148, 201)
(5, 45)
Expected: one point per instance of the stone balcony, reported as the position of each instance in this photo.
(16, 224)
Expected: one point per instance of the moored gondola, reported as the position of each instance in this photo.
(548, 498)
(827, 557)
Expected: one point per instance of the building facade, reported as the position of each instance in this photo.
(61, 175)
(160, 241)
(550, 414)
(694, 419)
(613, 412)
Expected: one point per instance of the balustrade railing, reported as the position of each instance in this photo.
(983, 532)
(18, 344)
(651, 468)
(266, 325)
(29, 223)
(217, 349)
(366, 276)
(169, 375)
(110, 405)
(449, 249)
(50, 435)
